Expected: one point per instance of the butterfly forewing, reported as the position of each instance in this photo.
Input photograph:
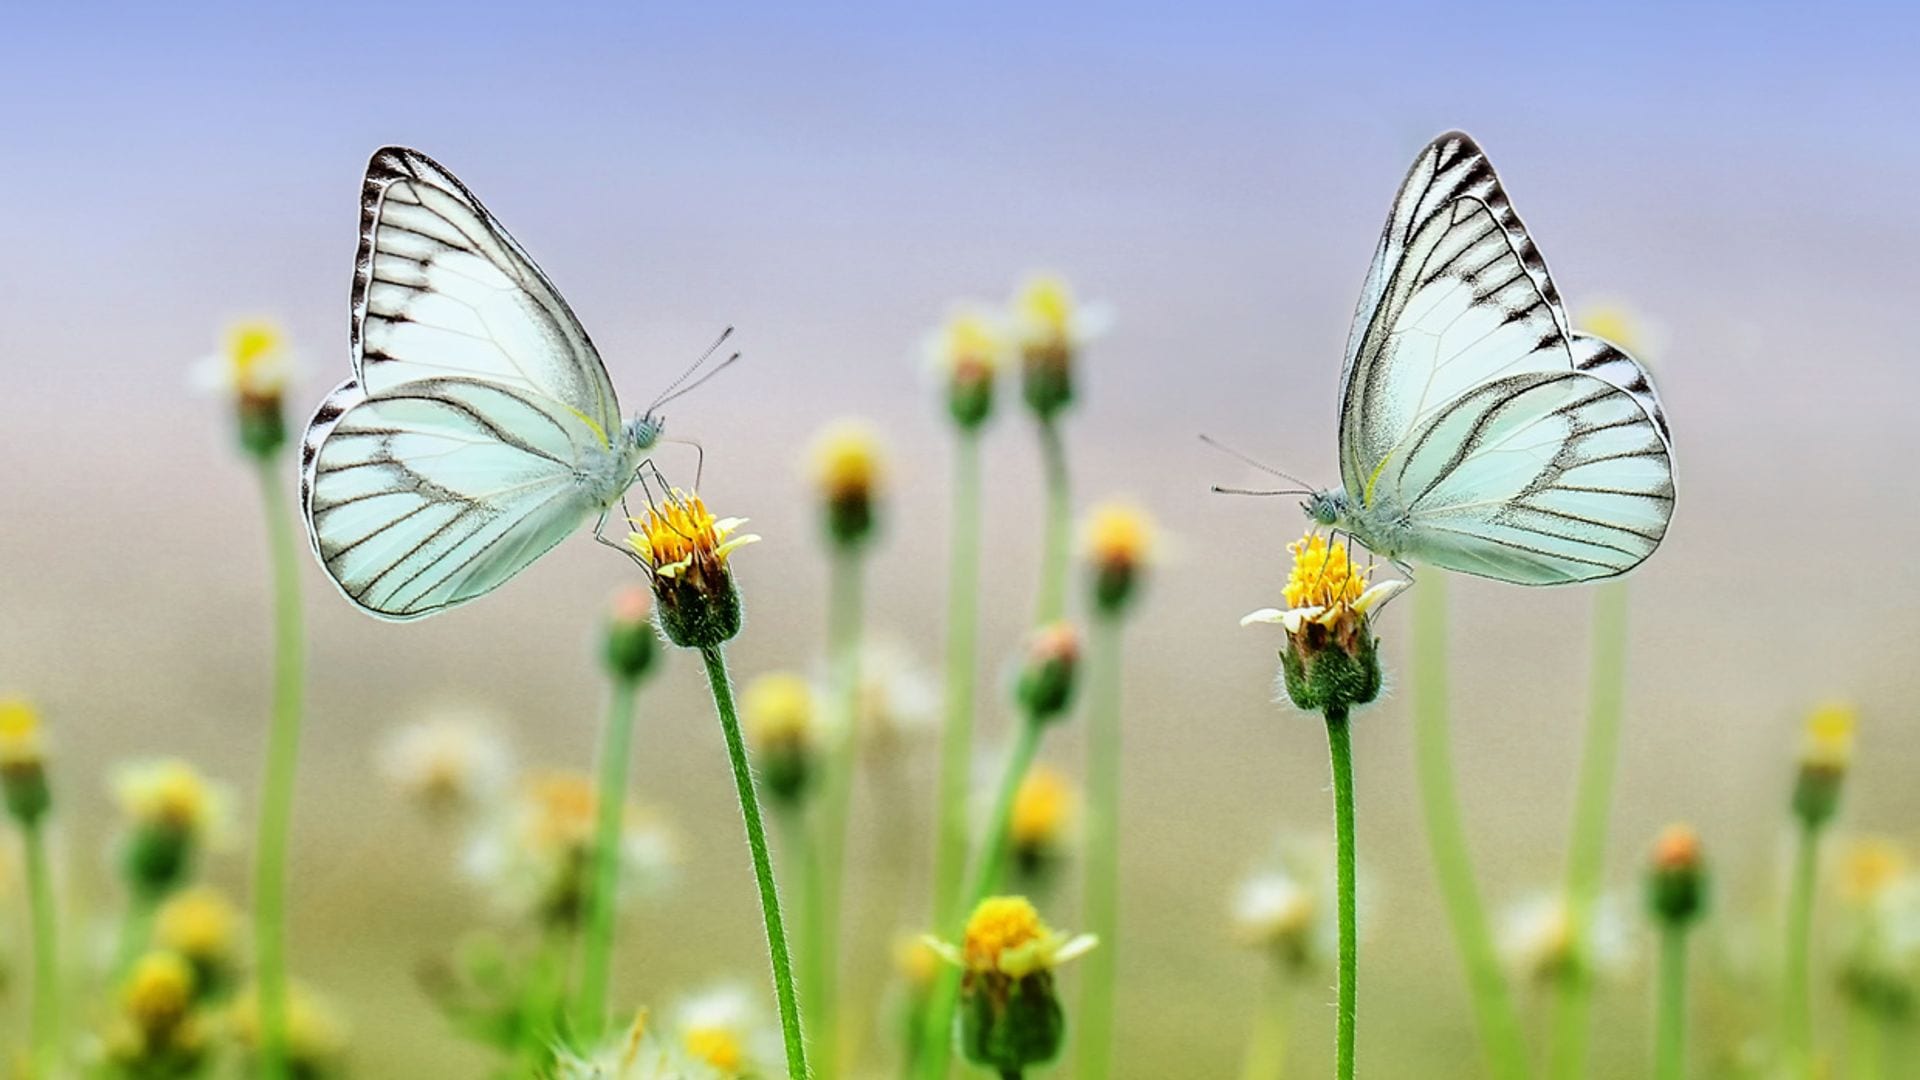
(440, 288)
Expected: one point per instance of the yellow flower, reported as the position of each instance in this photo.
(721, 1029)
(846, 460)
(1618, 324)
(1119, 542)
(21, 742)
(1869, 866)
(1829, 737)
(1005, 936)
(1042, 809)
(1330, 661)
(966, 353)
(159, 992)
(536, 858)
(450, 759)
(917, 962)
(170, 794)
(778, 709)
(684, 550)
(253, 362)
(198, 923)
(316, 1037)
(1050, 328)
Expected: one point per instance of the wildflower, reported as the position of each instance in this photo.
(783, 728)
(316, 1038)
(23, 762)
(1119, 544)
(1052, 666)
(1331, 659)
(252, 369)
(917, 962)
(1010, 1017)
(451, 759)
(1868, 866)
(1050, 329)
(1043, 812)
(630, 642)
(1538, 941)
(638, 1053)
(1826, 752)
(895, 702)
(685, 550)
(1677, 876)
(172, 812)
(539, 855)
(966, 352)
(721, 1029)
(848, 470)
(157, 1033)
(201, 926)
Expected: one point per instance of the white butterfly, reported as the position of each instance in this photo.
(480, 427)
(1478, 431)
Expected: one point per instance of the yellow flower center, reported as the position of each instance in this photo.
(563, 810)
(1322, 574)
(197, 923)
(717, 1046)
(1870, 866)
(169, 793)
(19, 733)
(1119, 536)
(159, 991)
(970, 346)
(778, 709)
(1042, 808)
(846, 461)
(254, 352)
(1001, 924)
(681, 533)
(1829, 737)
(1045, 304)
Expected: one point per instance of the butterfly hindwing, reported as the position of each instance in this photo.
(440, 289)
(433, 492)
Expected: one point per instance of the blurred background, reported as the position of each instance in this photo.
(829, 179)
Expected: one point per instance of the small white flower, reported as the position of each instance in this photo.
(450, 759)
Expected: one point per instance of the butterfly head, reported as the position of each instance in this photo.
(644, 430)
(1326, 508)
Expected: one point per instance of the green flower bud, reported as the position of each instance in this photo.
(685, 552)
(1047, 681)
(1677, 876)
(631, 643)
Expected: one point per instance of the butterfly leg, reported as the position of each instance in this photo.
(599, 535)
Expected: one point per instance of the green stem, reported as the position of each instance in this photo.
(1587, 851)
(1102, 895)
(1797, 1021)
(283, 751)
(136, 929)
(541, 1004)
(956, 737)
(616, 756)
(46, 951)
(1446, 836)
(836, 801)
(778, 956)
(1052, 604)
(812, 908)
(937, 1037)
(1670, 1042)
(1867, 1044)
(1267, 1043)
(1340, 748)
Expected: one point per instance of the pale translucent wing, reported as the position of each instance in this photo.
(1457, 295)
(1538, 479)
(434, 492)
(440, 289)
(1604, 360)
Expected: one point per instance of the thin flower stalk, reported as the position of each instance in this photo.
(46, 950)
(1266, 1054)
(1102, 892)
(1340, 750)
(1670, 1045)
(1797, 1019)
(1592, 805)
(843, 687)
(283, 750)
(616, 755)
(1051, 603)
(779, 956)
(956, 737)
(1446, 837)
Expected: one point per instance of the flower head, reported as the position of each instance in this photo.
(172, 812)
(1119, 545)
(252, 369)
(630, 642)
(1050, 328)
(1052, 668)
(451, 760)
(1286, 907)
(1043, 813)
(722, 1030)
(538, 856)
(200, 925)
(638, 1053)
(1880, 955)
(23, 761)
(848, 470)
(157, 1031)
(316, 1038)
(1330, 660)
(966, 351)
(1010, 1016)
(1537, 938)
(1677, 876)
(781, 718)
(896, 701)
(685, 551)
(1826, 751)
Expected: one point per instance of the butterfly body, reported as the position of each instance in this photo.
(480, 427)
(1479, 432)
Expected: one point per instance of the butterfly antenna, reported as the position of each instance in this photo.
(1222, 489)
(676, 394)
(1247, 459)
(671, 391)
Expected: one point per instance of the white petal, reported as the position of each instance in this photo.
(1264, 615)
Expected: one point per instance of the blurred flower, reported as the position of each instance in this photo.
(1044, 810)
(1826, 751)
(723, 1030)
(966, 352)
(450, 760)
(1868, 865)
(172, 814)
(1051, 670)
(897, 701)
(638, 1053)
(316, 1037)
(156, 1033)
(630, 644)
(1287, 908)
(782, 722)
(252, 370)
(1624, 326)
(1330, 660)
(685, 550)
(1010, 1016)
(847, 469)
(1050, 328)
(1880, 957)
(538, 856)
(1677, 876)
(917, 962)
(1537, 938)
(1119, 546)
(200, 925)
(23, 762)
